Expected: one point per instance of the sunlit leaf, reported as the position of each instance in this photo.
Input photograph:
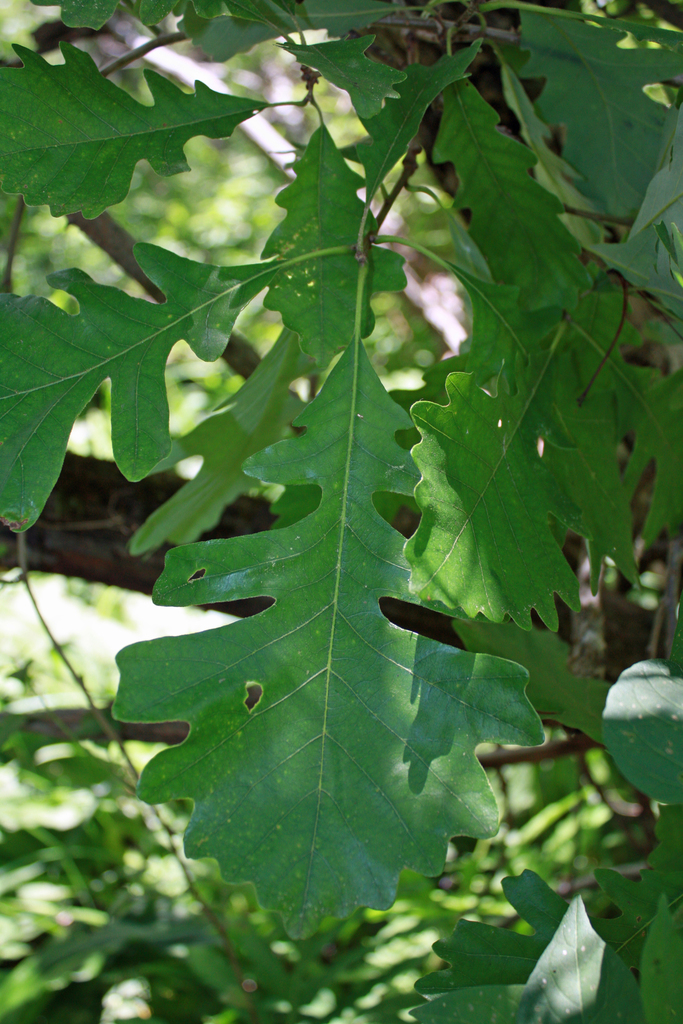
(79, 137)
(359, 757)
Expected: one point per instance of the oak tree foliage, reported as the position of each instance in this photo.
(561, 203)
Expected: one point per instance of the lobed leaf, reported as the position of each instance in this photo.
(345, 65)
(53, 364)
(397, 123)
(358, 759)
(71, 138)
(530, 246)
(317, 298)
(595, 89)
(483, 543)
(479, 952)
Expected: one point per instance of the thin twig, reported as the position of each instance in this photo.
(208, 911)
(602, 218)
(110, 733)
(434, 28)
(584, 394)
(166, 39)
(409, 168)
(533, 755)
(12, 240)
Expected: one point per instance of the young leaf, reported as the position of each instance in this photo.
(345, 65)
(317, 298)
(595, 89)
(553, 690)
(643, 728)
(79, 137)
(483, 543)
(116, 336)
(397, 123)
(358, 759)
(579, 979)
(479, 952)
(492, 1004)
(661, 970)
(530, 247)
(253, 418)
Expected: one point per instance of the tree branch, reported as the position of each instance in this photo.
(166, 39)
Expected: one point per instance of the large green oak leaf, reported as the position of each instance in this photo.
(71, 138)
(358, 760)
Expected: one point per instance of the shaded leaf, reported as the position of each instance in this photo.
(152, 11)
(479, 952)
(317, 298)
(253, 418)
(551, 171)
(553, 690)
(53, 364)
(79, 136)
(643, 728)
(501, 330)
(483, 543)
(661, 970)
(653, 412)
(589, 473)
(358, 759)
(345, 65)
(595, 89)
(579, 979)
(493, 1004)
(396, 125)
(538, 253)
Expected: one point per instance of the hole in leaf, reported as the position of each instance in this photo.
(196, 575)
(254, 694)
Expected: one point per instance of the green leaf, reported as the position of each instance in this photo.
(273, 13)
(345, 65)
(554, 692)
(88, 13)
(483, 542)
(661, 970)
(538, 253)
(253, 418)
(479, 952)
(317, 298)
(595, 89)
(153, 11)
(589, 473)
(493, 1004)
(397, 123)
(653, 412)
(677, 647)
(643, 728)
(79, 137)
(116, 336)
(358, 759)
(501, 331)
(579, 979)
(551, 171)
